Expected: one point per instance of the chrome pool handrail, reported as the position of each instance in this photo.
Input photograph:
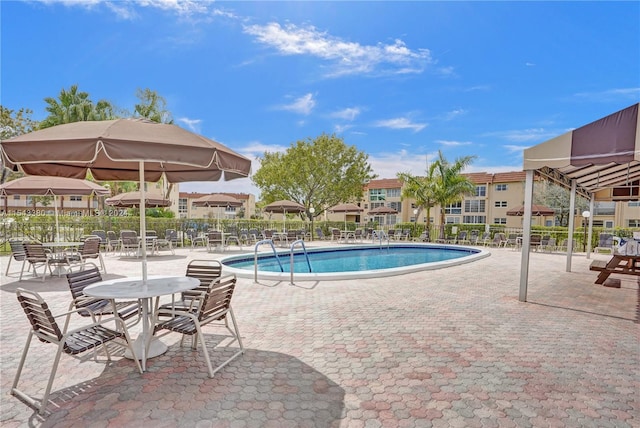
(255, 257)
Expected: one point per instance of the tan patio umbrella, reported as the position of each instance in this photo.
(346, 209)
(383, 210)
(537, 210)
(217, 200)
(284, 207)
(126, 150)
(132, 200)
(53, 186)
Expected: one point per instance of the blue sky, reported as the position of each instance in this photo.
(399, 80)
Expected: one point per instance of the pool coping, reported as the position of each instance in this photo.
(377, 273)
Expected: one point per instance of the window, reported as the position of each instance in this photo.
(75, 198)
(500, 220)
(182, 206)
(500, 204)
(452, 220)
(393, 193)
(376, 204)
(501, 187)
(634, 223)
(396, 206)
(455, 208)
(16, 197)
(481, 190)
(474, 206)
(608, 224)
(474, 219)
(377, 195)
(634, 203)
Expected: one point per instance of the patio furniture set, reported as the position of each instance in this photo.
(114, 306)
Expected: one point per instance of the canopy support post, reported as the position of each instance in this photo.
(143, 223)
(572, 218)
(526, 235)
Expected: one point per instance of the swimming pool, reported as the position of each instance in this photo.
(350, 262)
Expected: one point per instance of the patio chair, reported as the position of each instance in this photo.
(169, 242)
(535, 241)
(473, 237)
(196, 239)
(358, 235)
(89, 250)
(498, 239)
(511, 241)
(391, 234)
(462, 237)
(214, 239)
(114, 243)
(424, 237)
(17, 254)
(319, 234)
(78, 281)
(213, 306)
(103, 237)
(130, 244)
(72, 342)
(37, 256)
(485, 239)
(335, 234)
(205, 271)
(451, 239)
(605, 243)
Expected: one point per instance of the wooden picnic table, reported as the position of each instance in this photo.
(620, 264)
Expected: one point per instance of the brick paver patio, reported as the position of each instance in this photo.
(451, 347)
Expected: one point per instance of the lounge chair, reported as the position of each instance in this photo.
(319, 234)
(73, 342)
(462, 237)
(214, 305)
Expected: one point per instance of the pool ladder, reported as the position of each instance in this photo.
(275, 253)
(304, 249)
(255, 257)
(381, 235)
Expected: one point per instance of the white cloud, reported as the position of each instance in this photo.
(192, 124)
(349, 113)
(515, 149)
(344, 57)
(453, 114)
(450, 143)
(525, 135)
(303, 105)
(611, 94)
(529, 64)
(400, 123)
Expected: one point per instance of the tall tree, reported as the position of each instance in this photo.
(12, 124)
(319, 173)
(422, 190)
(443, 185)
(558, 197)
(451, 185)
(152, 106)
(75, 106)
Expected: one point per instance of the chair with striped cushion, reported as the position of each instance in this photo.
(214, 305)
(73, 342)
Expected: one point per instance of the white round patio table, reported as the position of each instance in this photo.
(136, 288)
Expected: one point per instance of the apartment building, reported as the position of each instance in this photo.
(185, 208)
(495, 194)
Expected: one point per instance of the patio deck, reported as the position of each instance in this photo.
(451, 347)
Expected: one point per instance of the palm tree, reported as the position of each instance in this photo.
(75, 106)
(450, 185)
(443, 185)
(422, 190)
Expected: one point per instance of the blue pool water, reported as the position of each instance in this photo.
(358, 261)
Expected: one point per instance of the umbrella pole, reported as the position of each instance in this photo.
(143, 224)
(55, 212)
